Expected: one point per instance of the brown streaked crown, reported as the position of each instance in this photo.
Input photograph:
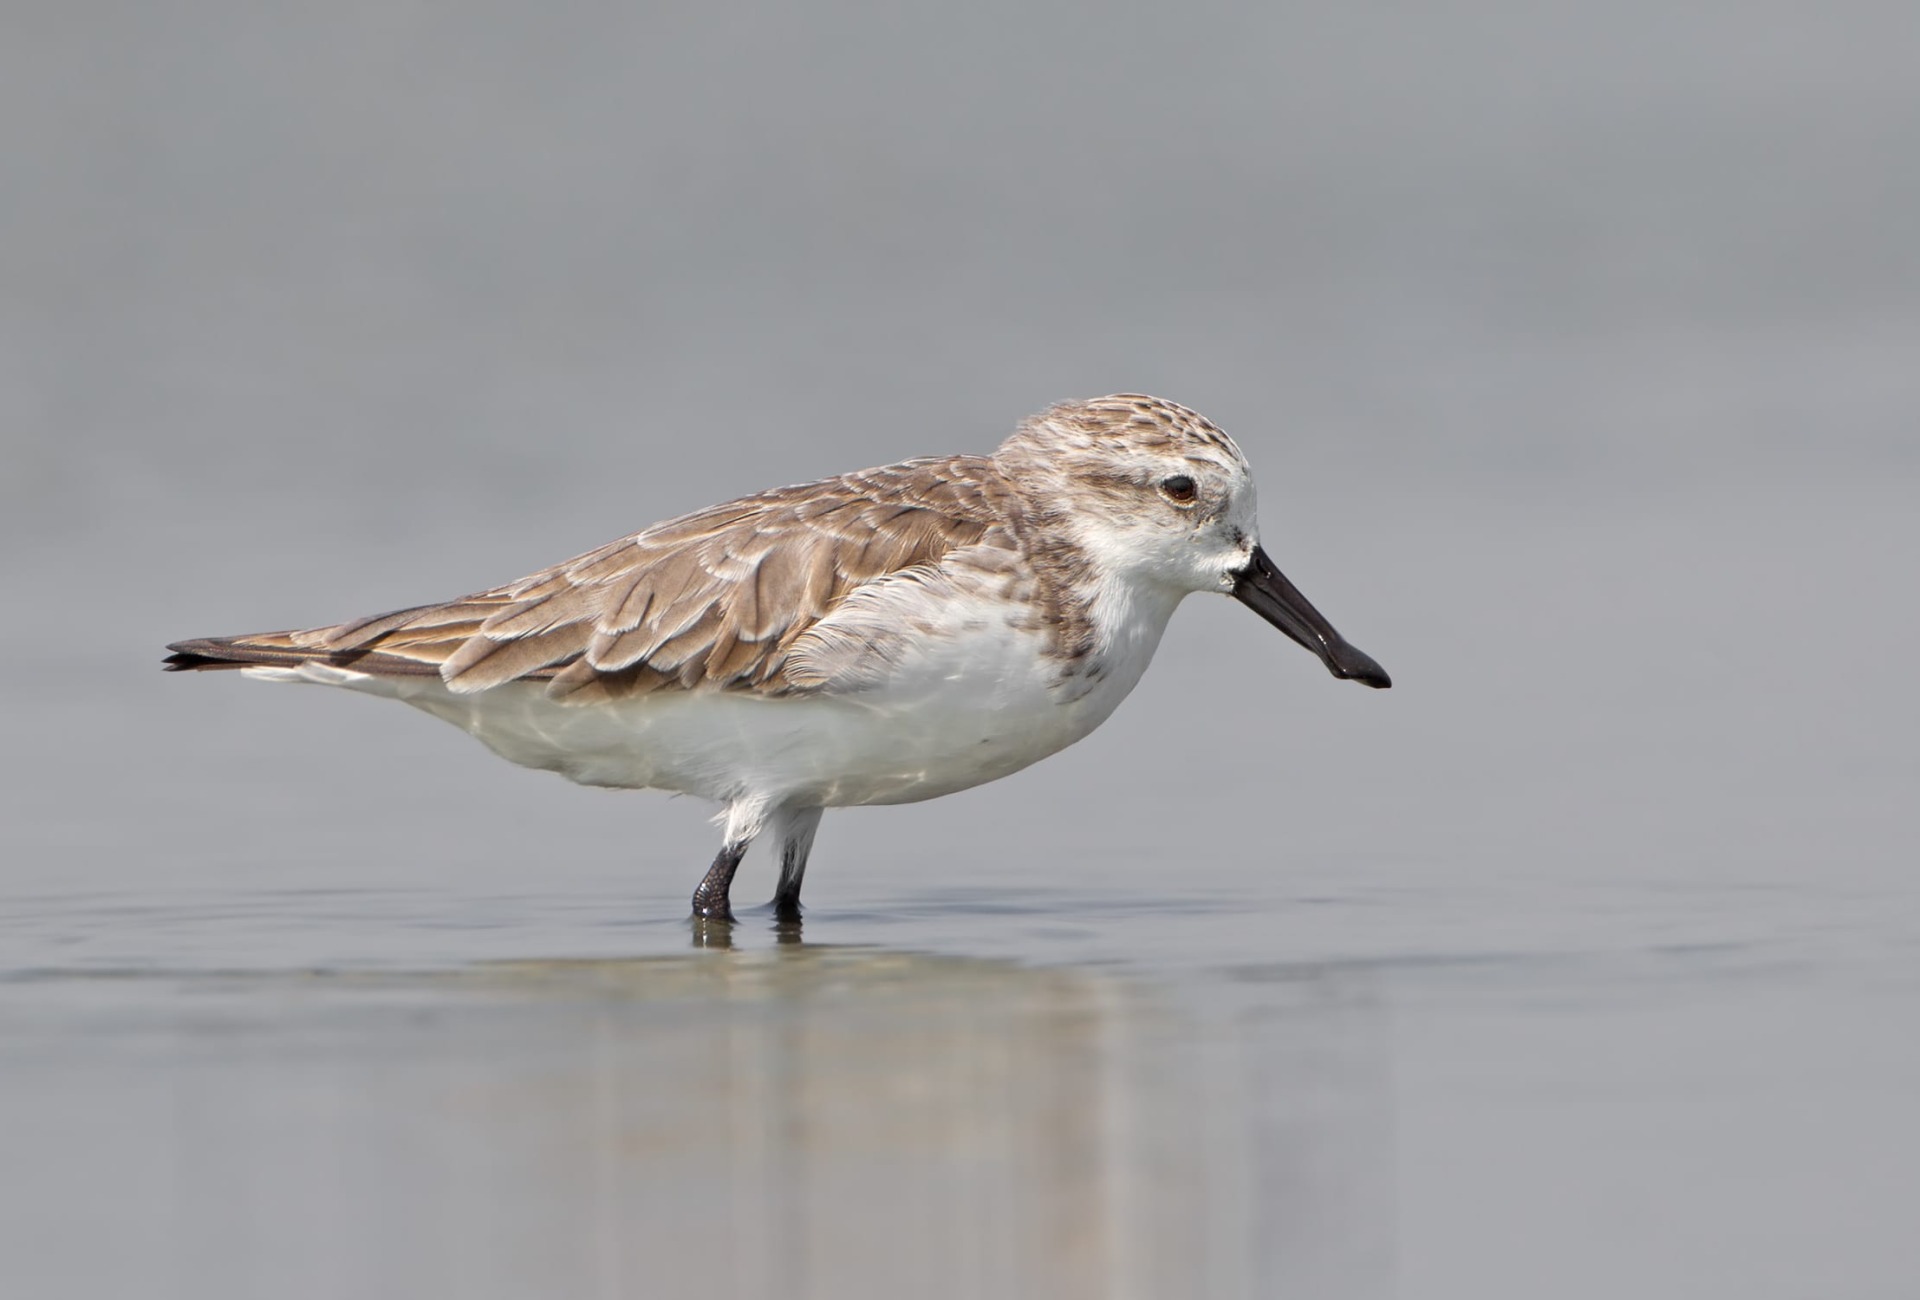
(1151, 423)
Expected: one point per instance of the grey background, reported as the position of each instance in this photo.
(1577, 349)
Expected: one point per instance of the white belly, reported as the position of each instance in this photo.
(967, 709)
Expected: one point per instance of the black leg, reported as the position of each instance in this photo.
(710, 896)
(786, 896)
(796, 842)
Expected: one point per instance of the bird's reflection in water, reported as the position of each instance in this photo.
(799, 1120)
(782, 1119)
(709, 933)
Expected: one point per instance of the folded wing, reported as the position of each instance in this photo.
(711, 600)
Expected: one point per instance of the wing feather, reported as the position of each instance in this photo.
(480, 661)
(711, 600)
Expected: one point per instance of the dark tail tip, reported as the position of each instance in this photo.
(206, 653)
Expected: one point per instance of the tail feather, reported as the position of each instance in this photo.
(278, 649)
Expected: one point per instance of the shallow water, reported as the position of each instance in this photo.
(1574, 354)
(1180, 1094)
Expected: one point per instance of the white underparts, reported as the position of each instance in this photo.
(971, 695)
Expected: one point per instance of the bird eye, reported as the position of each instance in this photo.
(1179, 489)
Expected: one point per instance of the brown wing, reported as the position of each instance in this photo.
(712, 599)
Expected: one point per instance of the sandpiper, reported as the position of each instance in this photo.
(881, 637)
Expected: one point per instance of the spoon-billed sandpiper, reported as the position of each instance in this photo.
(880, 637)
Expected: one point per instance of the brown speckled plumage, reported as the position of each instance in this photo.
(881, 637)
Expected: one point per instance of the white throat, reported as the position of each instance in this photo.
(1129, 616)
